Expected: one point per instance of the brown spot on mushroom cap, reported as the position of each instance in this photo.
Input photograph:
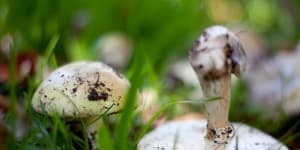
(74, 90)
(95, 96)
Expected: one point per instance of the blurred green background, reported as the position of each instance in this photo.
(161, 32)
(166, 27)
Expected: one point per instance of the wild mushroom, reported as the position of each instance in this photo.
(81, 90)
(214, 56)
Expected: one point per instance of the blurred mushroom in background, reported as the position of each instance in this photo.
(148, 105)
(290, 78)
(274, 83)
(181, 71)
(79, 21)
(25, 67)
(25, 63)
(115, 49)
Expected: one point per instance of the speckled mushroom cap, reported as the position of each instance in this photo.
(216, 52)
(81, 89)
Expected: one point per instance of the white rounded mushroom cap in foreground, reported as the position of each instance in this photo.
(190, 135)
(81, 89)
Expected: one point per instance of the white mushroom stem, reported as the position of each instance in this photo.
(219, 129)
(93, 125)
(214, 56)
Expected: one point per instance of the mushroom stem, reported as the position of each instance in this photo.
(217, 111)
(93, 125)
(87, 128)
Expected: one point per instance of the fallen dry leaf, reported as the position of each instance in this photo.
(25, 66)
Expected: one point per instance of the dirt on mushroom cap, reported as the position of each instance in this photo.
(217, 52)
(81, 89)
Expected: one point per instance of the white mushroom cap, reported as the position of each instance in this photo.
(191, 135)
(81, 89)
(216, 52)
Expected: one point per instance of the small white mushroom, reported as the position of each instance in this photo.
(81, 90)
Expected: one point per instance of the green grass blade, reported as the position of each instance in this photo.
(48, 56)
(105, 139)
(125, 122)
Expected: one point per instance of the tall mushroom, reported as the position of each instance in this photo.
(82, 90)
(214, 56)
